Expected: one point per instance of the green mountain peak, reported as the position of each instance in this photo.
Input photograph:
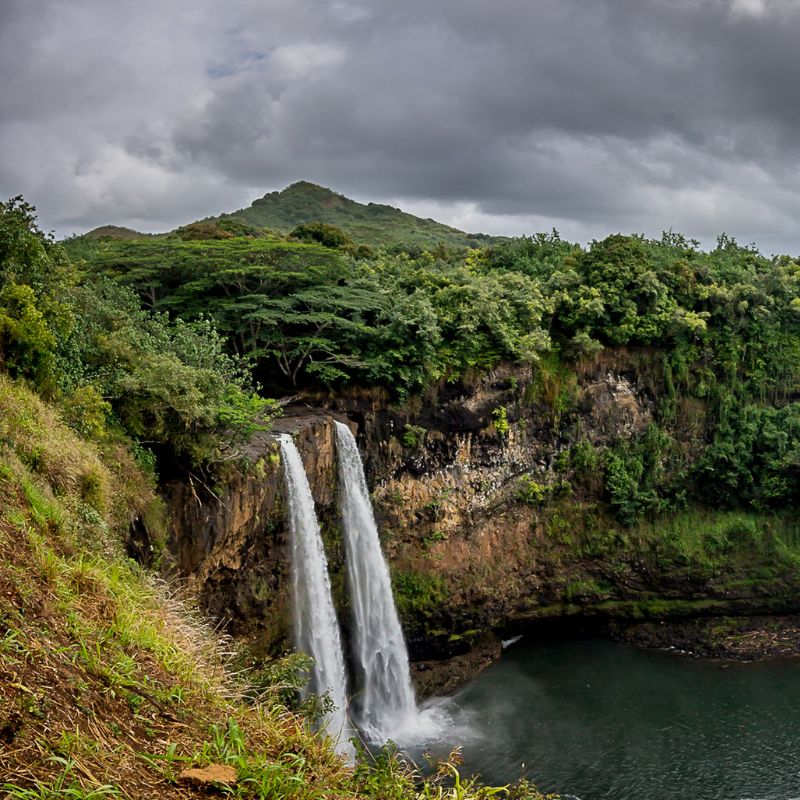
(372, 223)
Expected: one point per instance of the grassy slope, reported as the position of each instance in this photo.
(373, 224)
(109, 686)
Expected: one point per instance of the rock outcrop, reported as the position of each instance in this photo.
(229, 540)
(481, 527)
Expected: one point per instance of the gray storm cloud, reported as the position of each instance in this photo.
(623, 115)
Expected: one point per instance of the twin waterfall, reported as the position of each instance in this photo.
(384, 704)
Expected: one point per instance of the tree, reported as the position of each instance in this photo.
(323, 233)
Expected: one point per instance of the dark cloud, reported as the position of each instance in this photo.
(604, 116)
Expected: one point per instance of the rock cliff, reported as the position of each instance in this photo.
(486, 522)
(230, 540)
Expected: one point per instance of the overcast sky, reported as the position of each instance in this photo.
(504, 116)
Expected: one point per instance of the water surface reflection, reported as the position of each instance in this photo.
(602, 721)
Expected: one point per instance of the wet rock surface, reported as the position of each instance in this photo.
(755, 638)
(230, 540)
(437, 677)
(475, 519)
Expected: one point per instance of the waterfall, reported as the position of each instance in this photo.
(386, 704)
(316, 628)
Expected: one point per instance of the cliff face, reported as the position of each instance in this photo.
(230, 542)
(484, 522)
(467, 489)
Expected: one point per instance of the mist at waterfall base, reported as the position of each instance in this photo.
(595, 720)
(384, 704)
(316, 628)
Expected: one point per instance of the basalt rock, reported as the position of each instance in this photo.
(478, 525)
(230, 541)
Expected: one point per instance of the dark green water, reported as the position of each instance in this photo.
(596, 720)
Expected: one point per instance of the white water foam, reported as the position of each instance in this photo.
(386, 705)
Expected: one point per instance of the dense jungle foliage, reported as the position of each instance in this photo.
(85, 343)
(720, 329)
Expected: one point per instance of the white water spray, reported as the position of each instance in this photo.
(386, 705)
(316, 628)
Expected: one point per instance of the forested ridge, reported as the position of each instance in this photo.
(719, 328)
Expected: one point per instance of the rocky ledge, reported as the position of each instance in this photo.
(726, 638)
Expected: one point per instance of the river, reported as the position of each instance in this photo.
(595, 720)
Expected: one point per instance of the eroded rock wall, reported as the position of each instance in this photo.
(482, 530)
(468, 554)
(230, 540)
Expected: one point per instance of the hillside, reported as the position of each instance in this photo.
(113, 232)
(112, 687)
(302, 202)
(372, 223)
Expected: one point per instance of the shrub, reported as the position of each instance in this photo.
(500, 421)
(528, 491)
(413, 435)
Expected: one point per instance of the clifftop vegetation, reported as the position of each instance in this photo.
(719, 329)
(116, 369)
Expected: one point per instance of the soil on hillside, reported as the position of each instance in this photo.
(62, 716)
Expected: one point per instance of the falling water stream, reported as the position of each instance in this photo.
(316, 628)
(385, 704)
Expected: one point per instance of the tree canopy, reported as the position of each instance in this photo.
(87, 342)
(723, 326)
